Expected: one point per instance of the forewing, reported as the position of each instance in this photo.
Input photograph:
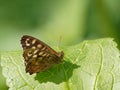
(38, 56)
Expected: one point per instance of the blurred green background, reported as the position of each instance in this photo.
(49, 20)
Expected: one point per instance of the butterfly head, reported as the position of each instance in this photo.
(60, 54)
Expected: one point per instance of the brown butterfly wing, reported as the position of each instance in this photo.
(38, 55)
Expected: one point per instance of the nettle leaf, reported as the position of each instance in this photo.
(90, 65)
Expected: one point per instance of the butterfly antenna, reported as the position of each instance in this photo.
(60, 38)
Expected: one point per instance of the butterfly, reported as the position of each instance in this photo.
(38, 56)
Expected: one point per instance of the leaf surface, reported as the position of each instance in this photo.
(90, 65)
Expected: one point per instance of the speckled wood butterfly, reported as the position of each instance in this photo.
(38, 55)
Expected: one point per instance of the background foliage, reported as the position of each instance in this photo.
(72, 20)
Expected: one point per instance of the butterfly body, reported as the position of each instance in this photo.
(38, 55)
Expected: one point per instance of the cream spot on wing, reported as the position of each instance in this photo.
(47, 55)
(27, 39)
(29, 54)
(34, 56)
(41, 53)
(35, 51)
(33, 47)
(33, 41)
(43, 48)
(39, 45)
(27, 44)
(44, 55)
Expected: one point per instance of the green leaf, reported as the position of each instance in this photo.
(90, 65)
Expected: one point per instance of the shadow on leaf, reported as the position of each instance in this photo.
(57, 74)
